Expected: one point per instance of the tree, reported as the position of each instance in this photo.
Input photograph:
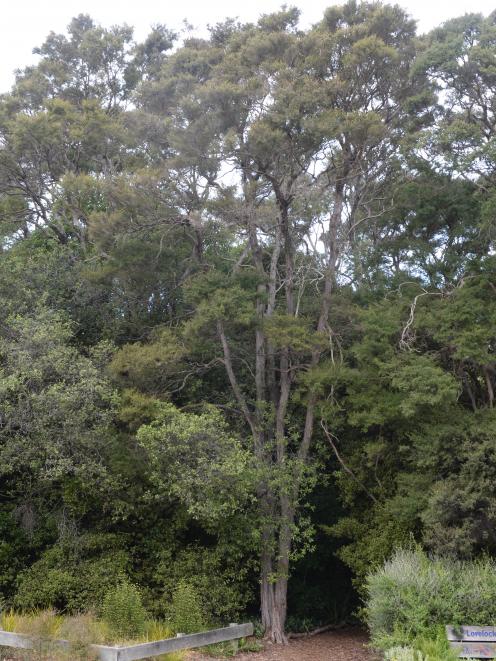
(56, 416)
(309, 124)
(239, 278)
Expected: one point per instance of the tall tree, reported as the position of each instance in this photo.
(308, 125)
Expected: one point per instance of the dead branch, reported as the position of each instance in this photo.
(315, 632)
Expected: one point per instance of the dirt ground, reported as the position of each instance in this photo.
(347, 645)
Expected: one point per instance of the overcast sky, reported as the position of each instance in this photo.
(25, 23)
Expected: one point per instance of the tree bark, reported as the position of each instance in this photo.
(489, 385)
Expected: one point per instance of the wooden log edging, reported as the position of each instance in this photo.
(141, 650)
(23, 641)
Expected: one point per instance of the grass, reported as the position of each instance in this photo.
(81, 630)
(42, 624)
(85, 629)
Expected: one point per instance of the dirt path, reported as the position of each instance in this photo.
(348, 645)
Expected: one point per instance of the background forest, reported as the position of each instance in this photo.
(247, 323)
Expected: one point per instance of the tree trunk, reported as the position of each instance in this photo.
(275, 631)
(273, 602)
(489, 385)
(274, 584)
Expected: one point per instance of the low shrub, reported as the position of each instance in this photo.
(436, 649)
(72, 578)
(422, 649)
(187, 614)
(123, 611)
(412, 597)
(222, 578)
(296, 624)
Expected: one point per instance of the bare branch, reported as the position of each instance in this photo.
(233, 380)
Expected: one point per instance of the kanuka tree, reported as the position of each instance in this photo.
(308, 127)
(67, 115)
(460, 61)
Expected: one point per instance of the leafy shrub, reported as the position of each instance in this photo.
(296, 624)
(413, 597)
(423, 649)
(123, 610)
(221, 576)
(437, 649)
(186, 611)
(72, 577)
(15, 546)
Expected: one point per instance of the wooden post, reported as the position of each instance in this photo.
(235, 642)
(142, 650)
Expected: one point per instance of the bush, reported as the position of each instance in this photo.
(186, 611)
(423, 649)
(72, 578)
(222, 577)
(42, 627)
(413, 597)
(436, 649)
(123, 611)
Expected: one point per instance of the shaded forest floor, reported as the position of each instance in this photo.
(347, 645)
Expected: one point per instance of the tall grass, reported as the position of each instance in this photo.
(82, 630)
(38, 624)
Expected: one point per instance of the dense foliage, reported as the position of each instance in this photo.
(412, 597)
(247, 333)
(123, 611)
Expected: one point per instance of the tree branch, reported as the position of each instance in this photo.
(233, 380)
(346, 468)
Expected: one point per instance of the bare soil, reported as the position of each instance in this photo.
(346, 645)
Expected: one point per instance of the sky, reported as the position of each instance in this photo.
(25, 24)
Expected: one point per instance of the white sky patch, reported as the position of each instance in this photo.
(25, 24)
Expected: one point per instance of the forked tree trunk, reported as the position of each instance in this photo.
(273, 387)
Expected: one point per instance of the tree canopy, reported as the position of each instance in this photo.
(248, 309)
